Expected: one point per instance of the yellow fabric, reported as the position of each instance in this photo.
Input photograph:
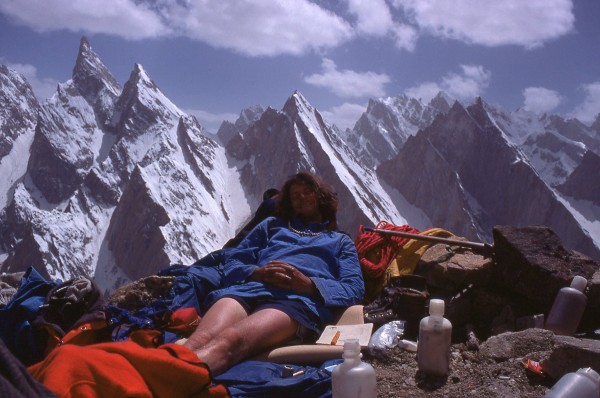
(409, 254)
(404, 263)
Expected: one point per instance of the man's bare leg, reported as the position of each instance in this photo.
(251, 335)
(222, 314)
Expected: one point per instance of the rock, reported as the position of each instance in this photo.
(517, 344)
(533, 263)
(8, 286)
(141, 292)
(453, 268)
(134, 235)
(11, 280)
(570, 354)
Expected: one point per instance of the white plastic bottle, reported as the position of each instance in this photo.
(435, 337)
(568, 307)
(585, 383)
(353, 378)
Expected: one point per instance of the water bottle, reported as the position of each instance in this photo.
(585, 383)
(568, 307)
(353, 378)
(435, 337)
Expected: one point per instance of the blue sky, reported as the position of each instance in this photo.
(213, 58)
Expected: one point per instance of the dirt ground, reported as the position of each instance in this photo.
(471, 375)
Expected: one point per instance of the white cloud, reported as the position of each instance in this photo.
(43, 88)
(125, 18)
(348, 83)
(374, 18)
(425, 91)
(252, 27)
(345, 115)
(260, 27)
(527, 23)
(470, 83)
(540, 99)
(406, 37)
(590, 108)
(211, 121)
(473, 80)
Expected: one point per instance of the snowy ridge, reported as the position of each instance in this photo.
(186, 174)
(119, 182)
(12, 167)
(359, 180)
(70, 126)
(553, 155)
(388, 122)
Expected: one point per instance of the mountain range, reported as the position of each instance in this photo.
(116, 182)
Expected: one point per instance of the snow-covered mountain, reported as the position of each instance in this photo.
(297, 138)
(117, 182)
(381, 131)
(467, 174)
(553, 145)
(428, 191)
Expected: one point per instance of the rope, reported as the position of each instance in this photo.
(376, 251)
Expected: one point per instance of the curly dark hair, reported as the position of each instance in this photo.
(326, 196)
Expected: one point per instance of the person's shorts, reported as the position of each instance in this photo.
(308, 329)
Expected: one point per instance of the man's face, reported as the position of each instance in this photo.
(304, 201)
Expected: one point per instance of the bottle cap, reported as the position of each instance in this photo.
(579, 283)
(591, 374)
(436, 307)
(351, 348)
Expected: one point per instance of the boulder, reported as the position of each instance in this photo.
(141, 293)
(570, 354)
(517, 344)
(534, 264)
(452, 268)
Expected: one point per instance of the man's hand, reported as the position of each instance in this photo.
(284, 276)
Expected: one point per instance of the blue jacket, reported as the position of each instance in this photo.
(24, 341)
(328, 258)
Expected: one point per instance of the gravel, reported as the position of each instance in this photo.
(472, 374)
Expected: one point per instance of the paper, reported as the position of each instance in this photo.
(337, 334)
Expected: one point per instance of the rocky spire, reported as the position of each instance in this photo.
(95, 82)
(143, 101)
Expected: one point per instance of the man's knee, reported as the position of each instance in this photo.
(198, 339)
(231, 345)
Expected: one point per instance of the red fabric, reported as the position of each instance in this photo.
(184, 321)
(376, 251)
(125, 369)
(84, 334)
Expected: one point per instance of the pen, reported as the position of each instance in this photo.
(335, 338)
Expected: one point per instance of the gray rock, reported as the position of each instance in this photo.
(141, 292)
(534, 263)
(517, 344)
(570, 354)
(452, 267)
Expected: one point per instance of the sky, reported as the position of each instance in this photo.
(213, 58)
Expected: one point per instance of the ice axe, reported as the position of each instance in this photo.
(484, 248)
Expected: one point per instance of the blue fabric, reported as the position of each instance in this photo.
(24, 341)
(329, 259)
(263, 379)
(189, 288)
(193, 283)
